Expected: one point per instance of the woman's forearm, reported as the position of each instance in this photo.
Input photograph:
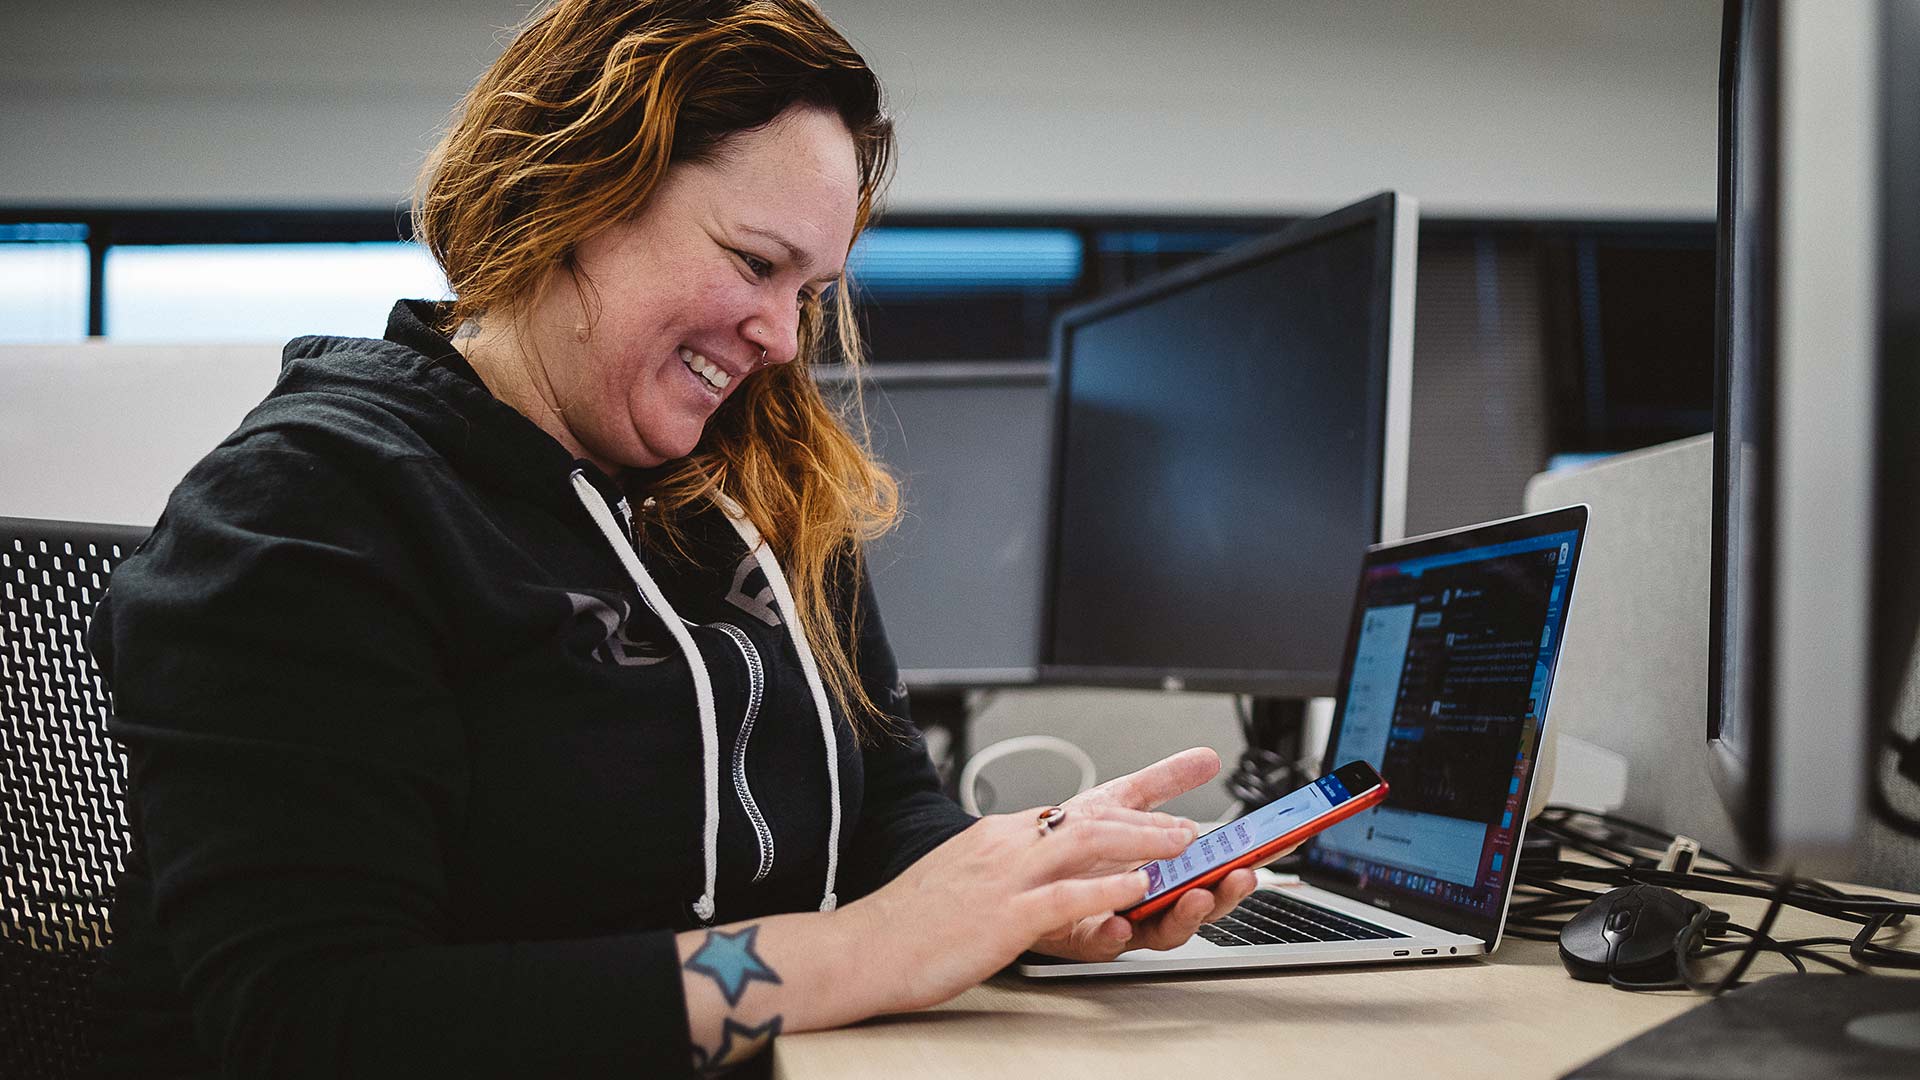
(954, 917)
(750, 981)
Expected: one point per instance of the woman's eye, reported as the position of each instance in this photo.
(759, 267)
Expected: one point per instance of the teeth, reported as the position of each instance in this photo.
(705, 368)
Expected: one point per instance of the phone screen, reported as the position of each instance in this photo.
(1236, 838)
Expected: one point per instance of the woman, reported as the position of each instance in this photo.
(506, 695)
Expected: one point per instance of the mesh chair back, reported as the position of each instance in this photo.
(63, 823)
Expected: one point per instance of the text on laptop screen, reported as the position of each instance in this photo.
(1450, 673)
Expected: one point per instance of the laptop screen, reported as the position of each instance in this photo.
(1446, 679)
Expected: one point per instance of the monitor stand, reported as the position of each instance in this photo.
(1275, 730)
(944, 711)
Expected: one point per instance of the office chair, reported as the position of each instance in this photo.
(63, 822)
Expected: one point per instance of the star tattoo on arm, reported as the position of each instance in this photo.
(729, 960)
(738, 1043)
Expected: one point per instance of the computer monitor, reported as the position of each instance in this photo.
(959, 579)
(1817, 457)
(1628, 334)
(1229, 438)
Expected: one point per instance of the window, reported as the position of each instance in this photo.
(261, 292)
(43, 282)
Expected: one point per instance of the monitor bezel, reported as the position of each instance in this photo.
(1799, 793)
(1739, 772)
(1396, 220)
(1523, 527)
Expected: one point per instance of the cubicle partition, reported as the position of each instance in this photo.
(1629, 717)
(102, 432)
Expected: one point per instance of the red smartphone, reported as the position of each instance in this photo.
(1260, 837)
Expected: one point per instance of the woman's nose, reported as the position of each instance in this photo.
(778, 335)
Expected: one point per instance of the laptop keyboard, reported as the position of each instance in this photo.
(1269, 918)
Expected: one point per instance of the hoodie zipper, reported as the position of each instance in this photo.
(756, 689)
(756, 692)
(705, 906)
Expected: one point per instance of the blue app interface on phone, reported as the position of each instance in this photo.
(1230, 841)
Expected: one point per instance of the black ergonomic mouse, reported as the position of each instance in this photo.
(1627, 933)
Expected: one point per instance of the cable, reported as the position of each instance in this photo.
(1732, 978)
(1850, 907)
(1906, 747)
(1687, 941)
(1263, 773)
(1864, 950)
(984, 795)
(1907, 764)
(1549, 890)
(1556, 819)
(1021, 744)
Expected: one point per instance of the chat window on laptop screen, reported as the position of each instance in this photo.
(1450, 677)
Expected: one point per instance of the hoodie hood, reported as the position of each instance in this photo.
(416, 373)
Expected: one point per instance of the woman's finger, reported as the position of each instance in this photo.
(1068, 900)
(1172, 927)
(1230, 890)
(1147, 788)
(1128, 815)
(1085, 846)
(1099, 938)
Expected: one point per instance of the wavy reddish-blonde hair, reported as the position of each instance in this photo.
(569, 132)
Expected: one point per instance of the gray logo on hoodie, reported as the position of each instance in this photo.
(610, 642)
(758, 604)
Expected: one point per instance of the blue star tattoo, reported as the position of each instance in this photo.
(739, 1043)
(729, 960)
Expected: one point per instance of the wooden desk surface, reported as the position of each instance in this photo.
(1514, 1014)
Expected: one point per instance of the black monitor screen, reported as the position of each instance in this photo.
(1642, 354)
(1219, 469)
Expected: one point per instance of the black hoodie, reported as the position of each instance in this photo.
(417, 776)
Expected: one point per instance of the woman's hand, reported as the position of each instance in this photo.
(1102, 937)
(973, 904)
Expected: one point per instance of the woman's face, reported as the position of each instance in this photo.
(677, 304)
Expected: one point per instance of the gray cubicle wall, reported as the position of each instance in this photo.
(101, 432)
(959, 580)
(1632, 684)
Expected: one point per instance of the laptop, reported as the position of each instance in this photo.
(1445, 682)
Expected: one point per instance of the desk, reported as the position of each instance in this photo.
(1514, 1014)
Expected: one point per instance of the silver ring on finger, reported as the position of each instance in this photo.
(1050, 817)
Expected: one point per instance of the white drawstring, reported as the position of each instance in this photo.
(656, 601)
(777, 580)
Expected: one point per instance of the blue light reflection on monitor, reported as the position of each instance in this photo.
(921, 261)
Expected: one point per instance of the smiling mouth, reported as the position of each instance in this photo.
(705, 368)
